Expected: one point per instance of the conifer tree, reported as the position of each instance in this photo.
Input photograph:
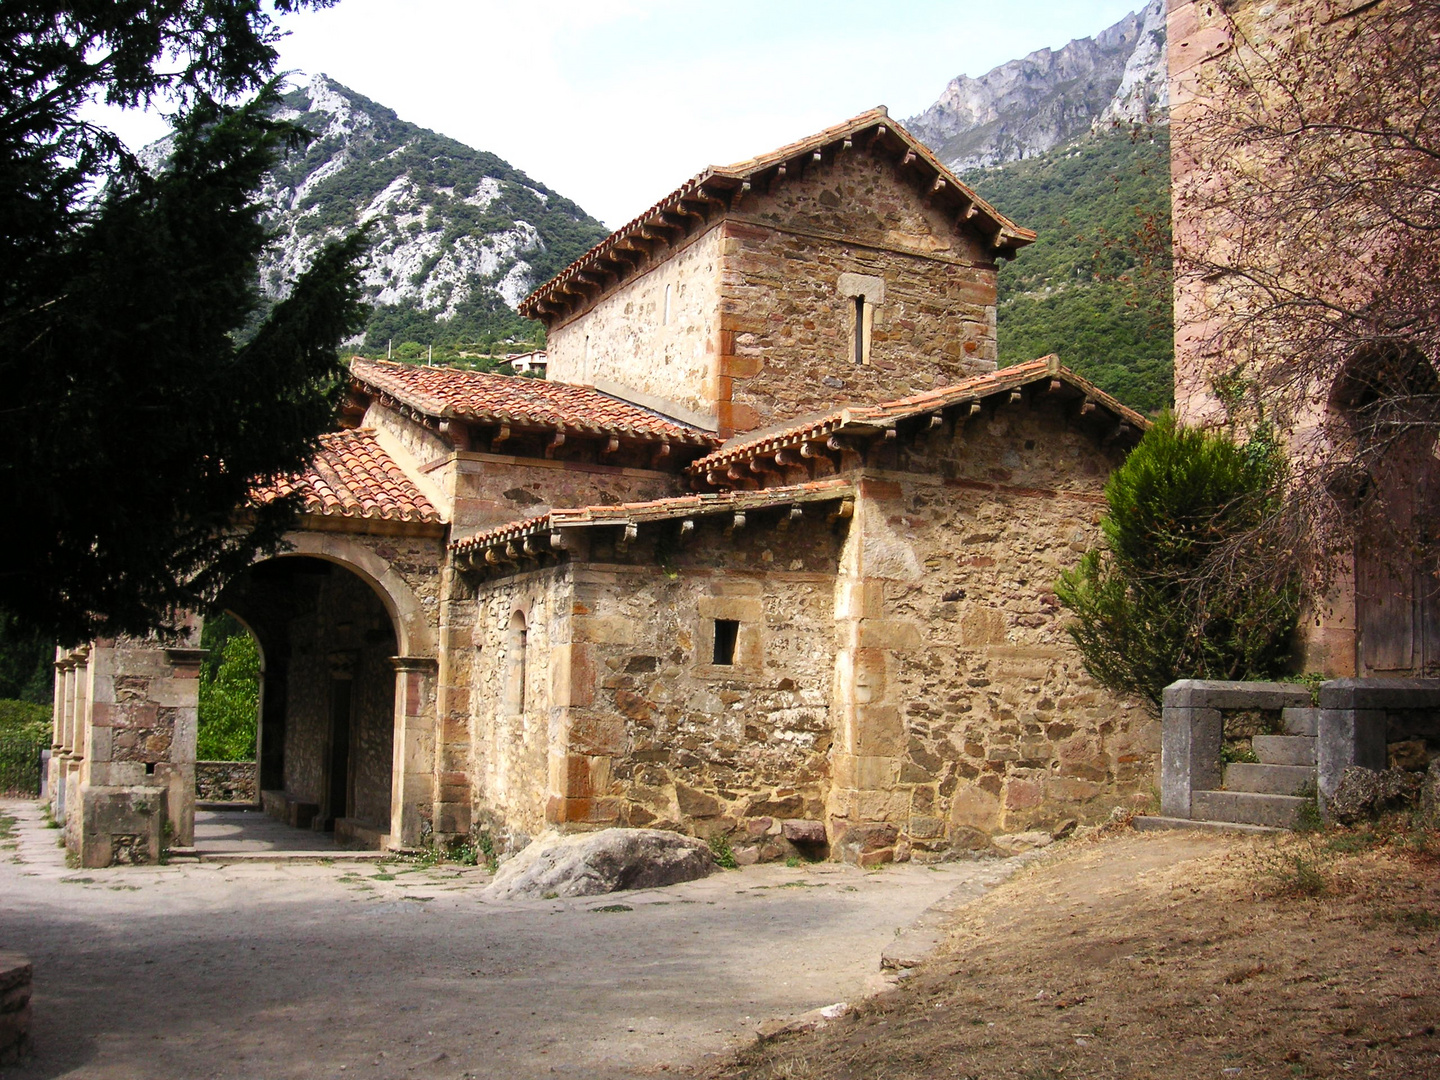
(144, 394)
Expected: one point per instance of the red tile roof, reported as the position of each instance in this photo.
(352, 476)
(451, 393)
(719, 181)
(874, 418)
(682, 506)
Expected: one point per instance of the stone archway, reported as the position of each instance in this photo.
(351, 704)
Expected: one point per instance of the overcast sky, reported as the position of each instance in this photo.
(614, 102)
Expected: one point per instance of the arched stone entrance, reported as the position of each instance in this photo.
(346, 726)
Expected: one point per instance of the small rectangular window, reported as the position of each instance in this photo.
(859, 329)
(726, 633)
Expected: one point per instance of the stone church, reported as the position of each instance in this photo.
(770, 554)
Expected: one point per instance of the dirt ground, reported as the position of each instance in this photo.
(273, 971)
(1171, 955)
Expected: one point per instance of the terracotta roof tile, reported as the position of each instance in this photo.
(352, 476)
(877, 417)
(720, 179)
(680, 506)
(447, 393)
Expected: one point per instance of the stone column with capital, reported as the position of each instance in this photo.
(412, 798)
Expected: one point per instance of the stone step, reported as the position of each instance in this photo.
(1268, 779)
(1284, 749)
(1280, 811)
(1156, 823)
(1300, 721)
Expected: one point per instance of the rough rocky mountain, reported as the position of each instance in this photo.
(458, 235)
(1041, 101)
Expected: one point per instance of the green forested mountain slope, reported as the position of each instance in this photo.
(458, 235)
(1095, 286)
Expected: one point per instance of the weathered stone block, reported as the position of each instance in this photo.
(1220, 694)
(803, 832)
(697, 804)
(1190, 752)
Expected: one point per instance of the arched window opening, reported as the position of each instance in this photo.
(515, 663)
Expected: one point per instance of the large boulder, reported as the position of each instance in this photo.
(1365, 793)
(591, 864)
(1430, 796)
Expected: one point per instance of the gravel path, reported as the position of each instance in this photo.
(389, 970)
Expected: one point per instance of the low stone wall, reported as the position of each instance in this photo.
(1378, 724)
(226, 781)
(1199, 715)
(15, 973)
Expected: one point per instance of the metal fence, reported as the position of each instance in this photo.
(20, 763)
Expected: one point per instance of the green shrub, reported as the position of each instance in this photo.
(1185, 587)
(724, 855)
(229, 692)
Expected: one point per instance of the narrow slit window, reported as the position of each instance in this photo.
(859, 329)
(727, 631)
(666, 319)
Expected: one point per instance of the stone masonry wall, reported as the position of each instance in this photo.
(491, 489)
(226, 781)
(1199, 42)
(511, 750)
(659, 736)
(974, 715)
(624, 344)
(786, 343)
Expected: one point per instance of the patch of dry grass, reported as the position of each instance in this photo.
(1173, 955)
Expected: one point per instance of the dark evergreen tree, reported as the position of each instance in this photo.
(144, 400)
(1185, 588)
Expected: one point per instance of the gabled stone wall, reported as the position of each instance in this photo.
(969, 710)
(793, 264)
(763, 304)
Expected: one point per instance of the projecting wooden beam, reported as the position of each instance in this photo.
(777, 177)
(740, 194)
(502, 434)
(661, 453)
(556, 441)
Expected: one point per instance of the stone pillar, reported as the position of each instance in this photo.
(452, 707)
(1190, 740)
(58, 748)
(135, 791)
(868, 809)
(412, 797)
(1356, 716)
(584, 740)
(74, 764)
(180, 694)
